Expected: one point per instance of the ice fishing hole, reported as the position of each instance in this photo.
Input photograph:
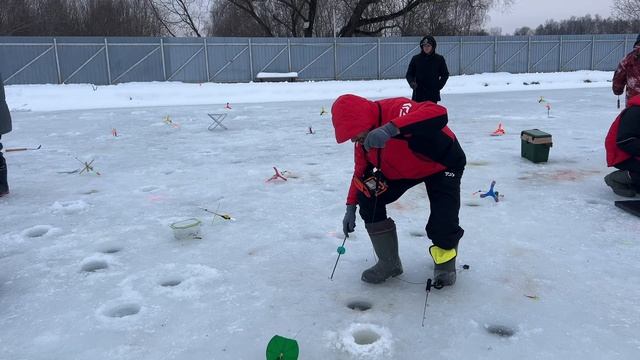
(500, 330)
(365, 337)
(360, 305)
(123, 310)
(111, 250)
(94, 265)
(171, 283)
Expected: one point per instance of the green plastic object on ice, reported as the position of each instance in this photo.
(281, 348)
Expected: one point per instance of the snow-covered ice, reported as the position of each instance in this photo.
(90, 268)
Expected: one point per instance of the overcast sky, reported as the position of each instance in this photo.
(532, 13)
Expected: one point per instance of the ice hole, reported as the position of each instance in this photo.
(123, 310)
(110, 250)
(365, 337)
(501, 330)
(359, 305)
(94, 265)
(171, 283)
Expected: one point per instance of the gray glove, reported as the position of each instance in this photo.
(376, 138)
(349, 220)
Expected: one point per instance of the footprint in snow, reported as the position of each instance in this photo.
(94, 264)
(37, 231)
(69, 207)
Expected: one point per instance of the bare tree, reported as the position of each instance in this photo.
(77, 18)
(279, 17)
(119, 18)
(182, 17)
(351, 17)
(626, 9)
(16, 17)
(358, 18)
(447, 17)
(525, 30)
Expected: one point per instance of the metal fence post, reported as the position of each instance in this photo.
(379, 61)
(560, 55)
(250, 61)
(529, 54)
(164, 67)
(495, 53)
(335, 59)
(289, 52)
(206, 58)
(459, 56)
(55, 50)
(593, 49)
(106, 55)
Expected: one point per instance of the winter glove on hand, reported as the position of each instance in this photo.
(376, 138)
(349, 220)
(413, 85)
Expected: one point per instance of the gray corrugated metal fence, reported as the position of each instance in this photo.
(64, 60)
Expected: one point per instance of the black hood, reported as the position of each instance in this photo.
(428, 40)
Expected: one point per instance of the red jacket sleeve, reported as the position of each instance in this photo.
(619, 78)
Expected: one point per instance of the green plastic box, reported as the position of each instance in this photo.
(535, 145)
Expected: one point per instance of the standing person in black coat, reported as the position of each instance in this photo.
(427, 72)
(5, 127)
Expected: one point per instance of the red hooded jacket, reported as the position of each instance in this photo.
(615, 155)
(628, 74)
(425, 145)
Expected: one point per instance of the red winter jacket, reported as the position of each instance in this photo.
(425, 145)
(616, 155)
(628, 74)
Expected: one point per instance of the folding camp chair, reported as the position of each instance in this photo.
(217, 121)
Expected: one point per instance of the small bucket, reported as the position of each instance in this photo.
(186, 229)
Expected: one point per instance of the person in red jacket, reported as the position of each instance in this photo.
(627, 73)
(623, 150)
(400, 143)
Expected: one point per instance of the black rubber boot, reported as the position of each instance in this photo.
(385, 243)
(620, 182)
(444, 273)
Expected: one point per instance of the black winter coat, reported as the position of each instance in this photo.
(429, 73)
(5, 116)
(628, 136)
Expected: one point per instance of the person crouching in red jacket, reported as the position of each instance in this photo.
(623, 150)
(400, 143)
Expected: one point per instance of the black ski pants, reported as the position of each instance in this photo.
(443, 190)
(4, 187)
(633, 166)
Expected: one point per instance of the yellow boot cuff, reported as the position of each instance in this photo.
(440, 255)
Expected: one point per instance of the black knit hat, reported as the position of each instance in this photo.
(428, 40)
(637, 41)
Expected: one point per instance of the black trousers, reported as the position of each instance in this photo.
(4, 187)
(443, 190)
(633, 166)
(3, 163)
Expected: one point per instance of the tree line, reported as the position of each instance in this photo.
(583, 25)
(282, 18)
